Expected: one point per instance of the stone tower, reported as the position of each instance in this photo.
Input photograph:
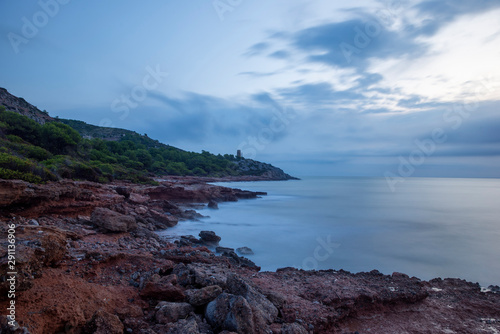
(238, 154)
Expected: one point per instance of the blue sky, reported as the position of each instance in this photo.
(317, 87)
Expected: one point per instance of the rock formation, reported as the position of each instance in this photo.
(88, 261)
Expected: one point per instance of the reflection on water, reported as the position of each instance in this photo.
(427, 228)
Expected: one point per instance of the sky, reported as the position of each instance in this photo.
(392, 89)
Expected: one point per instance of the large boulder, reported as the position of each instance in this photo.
(209, 238)
(264, 312)
(54, 246)
(104, 323)
(230, 312)
(200, 275)
(171, 312)
(112, 221)
(124, 191)
(163, 221)
(199, 297)
(162, 291)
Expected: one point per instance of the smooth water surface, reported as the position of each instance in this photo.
(428, 227)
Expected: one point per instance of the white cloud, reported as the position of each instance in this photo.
(462, 58)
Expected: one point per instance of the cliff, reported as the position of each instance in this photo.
(20, 106)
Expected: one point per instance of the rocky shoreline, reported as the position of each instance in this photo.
(89, 261)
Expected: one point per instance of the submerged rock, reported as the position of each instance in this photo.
(245, 251)
(213, 204)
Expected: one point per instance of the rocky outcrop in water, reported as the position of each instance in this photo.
(267, 171)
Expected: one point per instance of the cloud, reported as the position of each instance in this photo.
(317, 94)
(281, 54)
(368, 79)
(257, 49)
(256, 74)
(352, 43)
(442, 12)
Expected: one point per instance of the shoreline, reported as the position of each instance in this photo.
(89, 257)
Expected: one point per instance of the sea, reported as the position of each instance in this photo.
(425, 227)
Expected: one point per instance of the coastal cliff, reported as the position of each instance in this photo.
(89, 261)
(37, 148)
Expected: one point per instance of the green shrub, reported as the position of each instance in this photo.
(21, 126)
(26, 167)
(14, 139)
(59, 138)
(9, 174)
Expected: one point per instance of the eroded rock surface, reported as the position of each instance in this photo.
(75, 277)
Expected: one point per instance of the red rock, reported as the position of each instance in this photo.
(112, 221)
(163, 291)
(163, 219)
(138, 199)
(104, 323)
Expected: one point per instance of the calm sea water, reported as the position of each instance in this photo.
(428, 227)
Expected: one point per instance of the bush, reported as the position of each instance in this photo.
(9, 174)
(20, 126)
(59, 138)
(29, 170)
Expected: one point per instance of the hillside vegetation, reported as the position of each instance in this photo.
(45, 152)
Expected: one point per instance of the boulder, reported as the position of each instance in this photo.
(124, 191)
(230, 312)
(191, 214)
(167, 312)
(184, 326)
(138, 199)
(104, 323)
(209, 237)
(162, 291)
(163, 221)
(223, 249)
(240, 261)
(141, 210)
(199, 297)
(54, 245)
(188, 240)
(112, 221)
(264, 312)
(200, 275)
(245, 251)
(213, 204)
